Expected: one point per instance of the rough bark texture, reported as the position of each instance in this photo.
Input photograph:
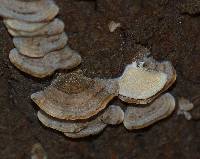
(171, 34)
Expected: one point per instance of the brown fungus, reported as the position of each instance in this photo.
(142, 82)
(141, 117)
(23, 26)
(54, 27)
(47, 65)
(40, 46)
(73, 96)
(82, 128)
(67, 125)
(113, 115)
(35, 11)
(89, 131)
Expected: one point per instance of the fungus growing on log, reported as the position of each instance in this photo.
(82, 128)
(74, 96)
(54, 27)
(75, 104)
(113, 115)
(35, 11)
(141, 117)
(47, 65)
(142, 82)
(19, 25)
(40, 46)
(39, 37)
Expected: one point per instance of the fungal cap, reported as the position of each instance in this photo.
(150, 64)
(40, 46)
(36, 11)
(141, 117)
(54, 27)
(140, 83)
(113, 115)
(67, 126)
(89, 131)
(73, 96)
(47, 65)
(23, 26)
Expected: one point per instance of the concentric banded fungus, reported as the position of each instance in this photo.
(67, 125)
(81, 128)
(40, 46)
(39, 38)
(74, 96)
(34, 11)
(142, 84)
(113, 115)
(140, 117)
(47, 65)
(53, 28)
(23, 26)
(93, 130)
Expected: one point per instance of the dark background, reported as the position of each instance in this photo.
(169, 28)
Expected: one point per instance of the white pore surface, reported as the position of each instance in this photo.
(139, 83)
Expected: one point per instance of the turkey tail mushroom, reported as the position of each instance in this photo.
(143, 82)
(39, 37)
(74, 96)
(81, 128)
(35, 11)
(141, 117)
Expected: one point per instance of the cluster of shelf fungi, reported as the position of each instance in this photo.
(74, 104)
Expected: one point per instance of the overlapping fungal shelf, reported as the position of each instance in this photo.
(39, 38)
(79, 106)
(76, 105)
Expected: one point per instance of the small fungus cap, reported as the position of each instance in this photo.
(140, 83)
(53, 27)
(47, 65)
(23, 26)
(143, 81)
(68, 126)
(34, 11)
(82, 128)
(141, 117)
(89, 131)
(40, 46)
(73, 96)
(113, 115)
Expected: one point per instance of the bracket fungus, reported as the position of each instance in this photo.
(141, 82)
(45, 66)
(141, 117)
(113, 115)
(74, 96)
(54, 27)
(34, 11)
(75, 104)
(39, 37)
(40, 46)
(82, 128)
(19, 25)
